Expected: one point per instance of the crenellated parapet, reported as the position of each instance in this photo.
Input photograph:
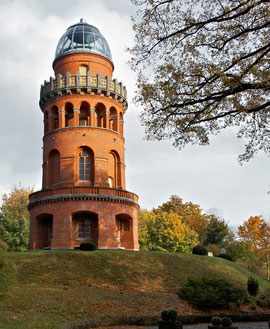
(79, 84)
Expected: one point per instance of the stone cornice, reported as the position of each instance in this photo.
(80, 197)
(82, 193)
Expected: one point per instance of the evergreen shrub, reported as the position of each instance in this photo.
(169, 315)
(264, 299)
(226, 256)
(89, 246)
(199, 250)
(252, 286)
(216, 320)
(226, 322)
(211, 293)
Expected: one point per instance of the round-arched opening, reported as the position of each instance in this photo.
(114, 170)
(44, 232)
(85, 114)
(124, 230)
(85, 165)
(85, 227)
(113, 121)
(69, 115)
(54, 168)
(55, 120)
(101, 115)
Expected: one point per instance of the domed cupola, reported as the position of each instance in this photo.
(83, 38)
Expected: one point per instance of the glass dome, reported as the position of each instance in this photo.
(83, 37)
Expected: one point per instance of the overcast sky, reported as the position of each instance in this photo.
(209, 176)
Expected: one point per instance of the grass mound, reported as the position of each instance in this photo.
(53, 287)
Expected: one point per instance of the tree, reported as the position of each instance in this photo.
(256, 231)
(203, 66)
(191, 213)
(216, 231)
(160, 230)
(14, 219)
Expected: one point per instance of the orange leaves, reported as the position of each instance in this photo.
(256, 231)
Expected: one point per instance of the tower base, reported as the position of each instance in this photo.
(61, 220)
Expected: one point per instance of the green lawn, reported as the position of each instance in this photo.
(52, 287)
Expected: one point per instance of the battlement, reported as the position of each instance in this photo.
(85, 84)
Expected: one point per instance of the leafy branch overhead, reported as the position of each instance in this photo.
(203, 66)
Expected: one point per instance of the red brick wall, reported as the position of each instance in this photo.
(54, 223)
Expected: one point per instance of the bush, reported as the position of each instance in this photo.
(169, 315)
(252, 286)
(264, 299)
(88, 246)
(206, 293)
(216, 320)
(253, 304)
(199, 250)
(226, 322)
(226, 256)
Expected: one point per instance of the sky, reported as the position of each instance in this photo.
(209, 176)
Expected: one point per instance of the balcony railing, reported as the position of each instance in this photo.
(83, 192)
(83, 83)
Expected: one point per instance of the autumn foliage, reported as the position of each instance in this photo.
(256, 232)
(159, 230)
(14, 219)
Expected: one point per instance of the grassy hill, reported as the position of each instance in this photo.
(52, 287)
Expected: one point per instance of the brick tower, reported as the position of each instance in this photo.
(83, 196)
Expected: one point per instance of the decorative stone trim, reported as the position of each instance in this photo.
(80, 197)
(69, 85)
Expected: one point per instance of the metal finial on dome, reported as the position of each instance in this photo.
(83, 38)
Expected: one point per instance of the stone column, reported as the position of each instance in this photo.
(76, 112)
(107, 119)
(121, 127)
(61, 118)
(51, 121)
(116, 123)
(92, 117)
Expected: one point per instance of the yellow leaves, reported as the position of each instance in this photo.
(16, 201)
(159, 229)
(256, 231)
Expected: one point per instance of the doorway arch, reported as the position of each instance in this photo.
(44, 231)
(85, 227)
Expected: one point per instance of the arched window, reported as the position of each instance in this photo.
(84, 165)
(69, 117)
(100, 112)
(114, 170)
(85, 226)
(84, 114)
(55, 124)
